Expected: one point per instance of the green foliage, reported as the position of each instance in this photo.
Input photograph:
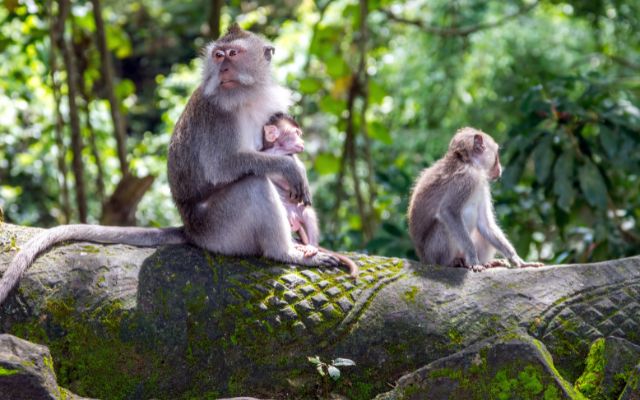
(557, 84)
(329, 370)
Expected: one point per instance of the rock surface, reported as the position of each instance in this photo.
(26, 372)
(179, 322)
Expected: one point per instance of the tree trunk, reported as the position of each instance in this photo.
(121, 207)
(119, 124)
(74, 120)
(54, 33)
(214, 18)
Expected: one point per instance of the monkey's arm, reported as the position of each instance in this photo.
(450, 214)
(277, 151)
(490, 230)
(232, 167)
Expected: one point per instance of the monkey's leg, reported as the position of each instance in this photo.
(436, 248)
(274, 231)
(310, 225)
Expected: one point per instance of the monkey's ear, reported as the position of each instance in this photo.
(478, 144)
(269, 51)
(271, 133)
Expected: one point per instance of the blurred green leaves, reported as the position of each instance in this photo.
(558, 87)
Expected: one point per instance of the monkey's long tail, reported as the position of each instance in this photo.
(90, 233)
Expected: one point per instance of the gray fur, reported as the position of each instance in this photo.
(451, 217)
(218, 176)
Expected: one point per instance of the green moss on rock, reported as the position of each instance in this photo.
(590, 382)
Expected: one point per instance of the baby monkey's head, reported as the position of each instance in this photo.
(283, 132)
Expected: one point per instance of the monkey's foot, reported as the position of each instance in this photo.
(307, 249)
(498, 262)
(476, 267)
(297, 256)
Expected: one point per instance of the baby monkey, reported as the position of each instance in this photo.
(283, 136)
(451, 218)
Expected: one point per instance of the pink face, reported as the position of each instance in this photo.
(229, 57)
(485, 156)
(284, 136)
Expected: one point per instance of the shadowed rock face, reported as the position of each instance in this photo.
(175, 322)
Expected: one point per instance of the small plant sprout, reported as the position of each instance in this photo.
(331, 369)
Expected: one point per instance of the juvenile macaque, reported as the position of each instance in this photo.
(217, 175)
(451, 220)
(283, 136)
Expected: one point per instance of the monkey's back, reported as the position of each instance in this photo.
(425, 202)
(428, 195)
(193, 150)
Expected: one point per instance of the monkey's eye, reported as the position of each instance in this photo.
(218, 54)
(298, 132)
(233, 53)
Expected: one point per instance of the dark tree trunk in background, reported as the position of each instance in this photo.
(74, 121)
(57, 30)
(214, 18)
(120, 209)
(119, 125)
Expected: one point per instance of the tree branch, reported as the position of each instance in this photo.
(459, 30)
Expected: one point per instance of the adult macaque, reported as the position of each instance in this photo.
(451, 220)
(283, 136)
(217, 176)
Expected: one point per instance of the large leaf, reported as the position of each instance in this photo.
(608, 140)
(326, 164)
(333, 372)
(343, 362)
(543, 157)
(592, 185)
(379, 132)
(563, 181)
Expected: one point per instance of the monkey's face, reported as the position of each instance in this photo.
(285, 136)
(485, 154)
(230, 59)
(291, 138)
(242, 62)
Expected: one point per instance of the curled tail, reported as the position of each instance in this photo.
(90, 233)
(353, 268)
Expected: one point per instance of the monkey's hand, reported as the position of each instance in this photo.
(298, 183)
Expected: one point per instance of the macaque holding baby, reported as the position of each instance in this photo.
(283, 136)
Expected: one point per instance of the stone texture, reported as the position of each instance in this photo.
(179, 322)
(26, 372)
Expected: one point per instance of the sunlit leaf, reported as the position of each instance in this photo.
(314, 360)
(379, 132)
(310, 85)
(343, 362)
(326, 164)
(376, 92)
(334, 372)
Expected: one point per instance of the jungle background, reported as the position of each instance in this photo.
(90, 92)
